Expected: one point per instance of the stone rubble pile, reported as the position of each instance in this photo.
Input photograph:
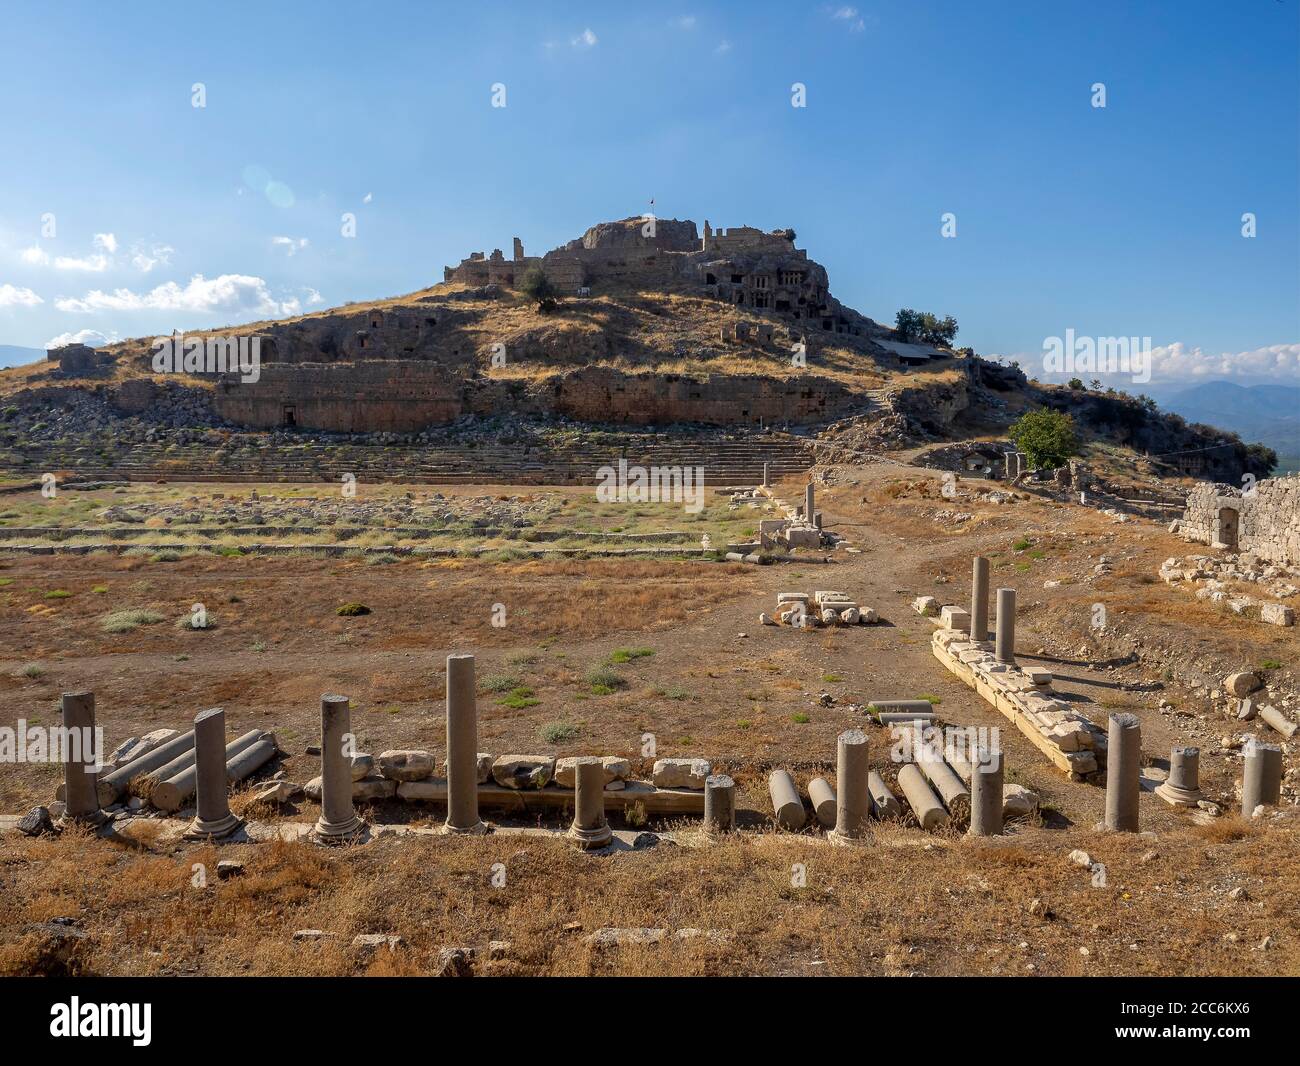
(1211, 579)
(823, 608)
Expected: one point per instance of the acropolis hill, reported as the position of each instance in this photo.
(658, 323)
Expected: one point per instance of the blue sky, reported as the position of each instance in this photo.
(1123, 220)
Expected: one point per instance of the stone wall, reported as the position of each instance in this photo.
(1266, 521)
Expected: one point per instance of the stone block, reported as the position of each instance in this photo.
(399, 765)
(523, 771)
(614, 768)
(957, 618)
(680, 773)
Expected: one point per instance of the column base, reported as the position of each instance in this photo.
(590, 839)
(92, 820)
(476, 829)
(842, 840)
(338, 832)
(1179, 797)
(201, 830)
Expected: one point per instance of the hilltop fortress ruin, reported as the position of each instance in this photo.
(428, 360)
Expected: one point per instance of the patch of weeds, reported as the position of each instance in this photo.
(799, 718)
(626, 655)
(186, 621)
(166, 556)
(743, 723)
(259, 646)
(559, 732)
(125, 621)
(99, 590)
(523, 658)
(936, 700)
(676, 692)
(830, 679)
(33, 671)
(352, 610)
(382, 559)
(634, 814)
(230, 552)
(1022, 544)
(180, 658)
(499, 683)
(519, 698)
(603, 680)
(1270, 664)
(57, 594)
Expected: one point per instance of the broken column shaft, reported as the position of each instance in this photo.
(462, 747)
(590, 829)
(1123, 771)
(979, 599)
(1005, 647)
(853, 799)
(809, 506)
(1261, 777)
(1183, 786)
(214, 818)
(338, 819)
(787, 807)
(986, 793)
(719, 804)
(80, 755)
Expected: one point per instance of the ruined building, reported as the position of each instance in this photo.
(1263, 519)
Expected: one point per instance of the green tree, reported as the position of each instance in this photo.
(1075, 383)
(1046, 437)
(925, 326)
(537, 286)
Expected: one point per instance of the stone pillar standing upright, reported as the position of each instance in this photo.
(338, 820)
(979, 599)
(80, 756)
(462, 747)
(809, 503)
(1123, 771)
(1005, 646)
(1183, 786)
(986, 793)
(719, 804)
(766, 483)
(590, 829)
(214, 819)
(852, 798)
(1261, 777)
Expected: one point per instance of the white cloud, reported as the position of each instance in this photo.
(95, 264)
(106, 241)
(684, 22)
(145, 257)
(12, 296)
(1180, 365)
(849, 16)
(291, 245)
(586, 39)
(367, 198)
(36, 255)
(93, 337)
(313, 297)
(231, 294)
(723, 48)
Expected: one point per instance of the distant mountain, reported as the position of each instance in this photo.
(12, 355)
(1268, 414)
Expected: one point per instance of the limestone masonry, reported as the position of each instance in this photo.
(1263, 520)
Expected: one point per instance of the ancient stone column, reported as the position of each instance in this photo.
(338, 819)
(80, 755)
(822, 798)
(787, 807)
(809, 506)
(925, 804)
(979, 599)
(884, 803)
(1005, 646)
(1183, 786)
(719, 804)
(214, 818)
(853, 799)
(766, 482)
(1123, 769)
(590, 829)
(1261, 777)
(462, 747)
(986, 793)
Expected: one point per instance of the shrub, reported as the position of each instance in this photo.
(537, 286)
(132, 618)
(33, 671)
(352, 610)
(601, 677)
(499, 683)
(559, 732)
(519, 698)
(57, 594)
(626, 655)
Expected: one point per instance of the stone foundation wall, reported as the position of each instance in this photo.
(407, 395)
(1265, 522)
